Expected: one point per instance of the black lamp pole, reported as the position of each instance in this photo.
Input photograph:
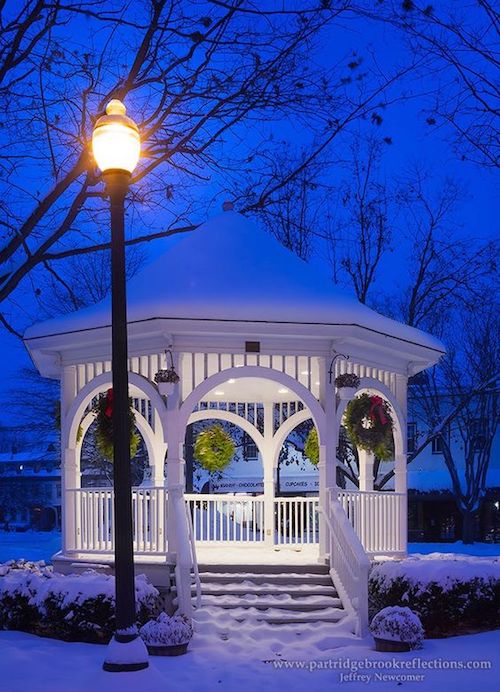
(117, 182)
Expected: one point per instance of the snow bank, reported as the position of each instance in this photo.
(440, 568)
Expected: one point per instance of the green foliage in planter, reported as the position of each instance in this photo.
(311, 447)
(214, 448)
(347, 379)
(465, 606)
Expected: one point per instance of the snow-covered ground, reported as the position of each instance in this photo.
(250, 656)
(31, 545)
(43, 665)
(34, 545)
(479, 549)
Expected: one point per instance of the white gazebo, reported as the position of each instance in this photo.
(253, 331)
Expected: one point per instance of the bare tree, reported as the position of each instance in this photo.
(199, 78)
(459, 403)
(364, 226)
(446, 270)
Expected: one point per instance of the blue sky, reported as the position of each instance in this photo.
(413, 142)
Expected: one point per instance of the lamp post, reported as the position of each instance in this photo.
(116, 146)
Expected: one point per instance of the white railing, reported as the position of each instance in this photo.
(376, 518)
(91, 518)
(296, 520)
(226, 518)
(349, 564)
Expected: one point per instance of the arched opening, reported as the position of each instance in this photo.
(350, 471)
(243, 473)
(266, 405)
(96, 470)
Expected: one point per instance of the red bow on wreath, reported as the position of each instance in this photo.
(377, 409)
(108, 411)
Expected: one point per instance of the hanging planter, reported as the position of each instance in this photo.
(347, 384)
(167, 379)
(103, 410)
(311, 447)
(214, 448)
(369, 425)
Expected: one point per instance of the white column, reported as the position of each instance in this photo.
(327, 466)
(366, 461)
(400, 486)
(175, 462)
(159, 452)
(70, 468)
(400, 462)
(268, 466)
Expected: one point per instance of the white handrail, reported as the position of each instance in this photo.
(349, 564)
(194, 558)
(183, 562)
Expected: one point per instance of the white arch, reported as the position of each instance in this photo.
(371, 384)
(231, 417)
(285, 429)
(96, 385)
(316, 411)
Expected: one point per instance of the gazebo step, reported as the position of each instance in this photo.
(264, 568)
(262, 579)
(243, 588)
(271, 601)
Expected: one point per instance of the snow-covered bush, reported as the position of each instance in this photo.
(451, 595)
(398, 625)
(19, 582)
(74, 607)
(167, 630)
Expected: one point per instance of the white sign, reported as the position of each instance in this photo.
(292, 483)
(237, 485)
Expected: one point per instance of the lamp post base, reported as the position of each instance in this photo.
(126, 654)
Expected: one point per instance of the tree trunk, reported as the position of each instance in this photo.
(468, 525)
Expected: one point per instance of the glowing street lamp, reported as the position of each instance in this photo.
(116, 145)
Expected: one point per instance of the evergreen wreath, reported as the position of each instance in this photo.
(214, 448)
(103, 410)
(311, 447)
(369, 425)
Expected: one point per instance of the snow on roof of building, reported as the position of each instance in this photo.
(229, 269)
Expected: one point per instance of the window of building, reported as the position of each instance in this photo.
(478, 433)
(437, 442)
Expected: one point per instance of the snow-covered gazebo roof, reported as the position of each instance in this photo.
(226, 276)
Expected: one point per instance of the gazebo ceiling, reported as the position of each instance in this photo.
(251, 390)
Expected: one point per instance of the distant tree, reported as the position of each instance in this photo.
(457, 402)
(457, 42)
(364, 226)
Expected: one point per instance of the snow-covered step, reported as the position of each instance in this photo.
(263, 568)
(275, 578)
(264, 602)
(266, 589)
(277, 596)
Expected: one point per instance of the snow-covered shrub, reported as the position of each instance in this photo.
(74, 607)
(398, 625)
(19, 582)
(450, 595)
(167, 630)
